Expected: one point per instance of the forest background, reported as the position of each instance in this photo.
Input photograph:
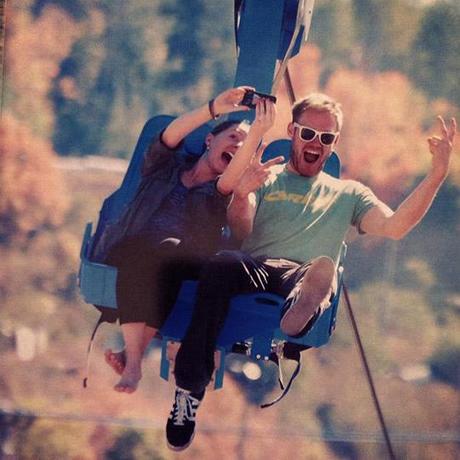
(80, 78)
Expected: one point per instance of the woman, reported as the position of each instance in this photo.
(174, 223)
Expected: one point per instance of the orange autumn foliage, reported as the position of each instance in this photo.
(382, 142)
(32, 192)
(34, 50)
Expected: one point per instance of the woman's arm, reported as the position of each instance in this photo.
(183, 125)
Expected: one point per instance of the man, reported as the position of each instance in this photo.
(293, 219)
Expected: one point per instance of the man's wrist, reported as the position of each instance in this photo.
(437, 176)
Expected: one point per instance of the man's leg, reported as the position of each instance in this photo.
(225, 275)
(310, 295)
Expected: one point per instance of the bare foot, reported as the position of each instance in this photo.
(129, 380)
(116, 360)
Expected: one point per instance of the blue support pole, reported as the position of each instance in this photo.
(258, 41)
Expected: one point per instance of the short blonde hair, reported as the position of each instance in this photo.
(320, 102)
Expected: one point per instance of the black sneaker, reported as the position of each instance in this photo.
(180, 428)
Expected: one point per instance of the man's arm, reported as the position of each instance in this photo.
(382, 221)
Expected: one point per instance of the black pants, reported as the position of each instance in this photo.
(225, 275)
(149, 277)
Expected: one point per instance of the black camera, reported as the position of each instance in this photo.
(251, 97)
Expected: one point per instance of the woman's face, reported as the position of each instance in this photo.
(222, 146)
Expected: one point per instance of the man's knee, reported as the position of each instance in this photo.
(320, 276)
(321, 270)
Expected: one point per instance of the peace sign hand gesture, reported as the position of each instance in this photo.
(256, 173)
(441, 147)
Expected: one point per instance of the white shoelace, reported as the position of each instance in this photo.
(185, 410)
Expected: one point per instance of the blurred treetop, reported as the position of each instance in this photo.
(86, 74)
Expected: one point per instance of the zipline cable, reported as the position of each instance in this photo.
(289, 86)
(368, 373)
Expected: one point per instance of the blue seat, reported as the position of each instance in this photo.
(265, 32)
(253, 320)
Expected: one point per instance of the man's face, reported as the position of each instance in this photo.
(224, 145)
(309, 156)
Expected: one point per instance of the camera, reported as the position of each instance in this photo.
(250, 98)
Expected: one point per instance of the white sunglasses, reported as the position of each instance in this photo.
(308, 134)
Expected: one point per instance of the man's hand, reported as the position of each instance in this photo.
(441, 148)
(255, 174)
(229, 100)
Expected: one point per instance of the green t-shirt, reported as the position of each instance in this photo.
(301, 218)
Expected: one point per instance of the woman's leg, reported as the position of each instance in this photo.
(117, 359)
(147, 285)
(136, 262)
(133, 336)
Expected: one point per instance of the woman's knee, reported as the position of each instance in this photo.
(226, 260)
(237, 269)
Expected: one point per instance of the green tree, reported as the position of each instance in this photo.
(201, 51)
(435, 65)
(384, 31)
(333, 32)
(136, 59)
(110, 77)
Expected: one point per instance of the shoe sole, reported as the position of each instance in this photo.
(179, 448)
(318, 281)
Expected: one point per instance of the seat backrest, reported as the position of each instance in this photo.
(115, 204)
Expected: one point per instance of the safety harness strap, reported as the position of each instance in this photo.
(90, 347)
(290, 351)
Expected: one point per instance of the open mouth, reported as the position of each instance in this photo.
(227, 157)
(310, 157)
